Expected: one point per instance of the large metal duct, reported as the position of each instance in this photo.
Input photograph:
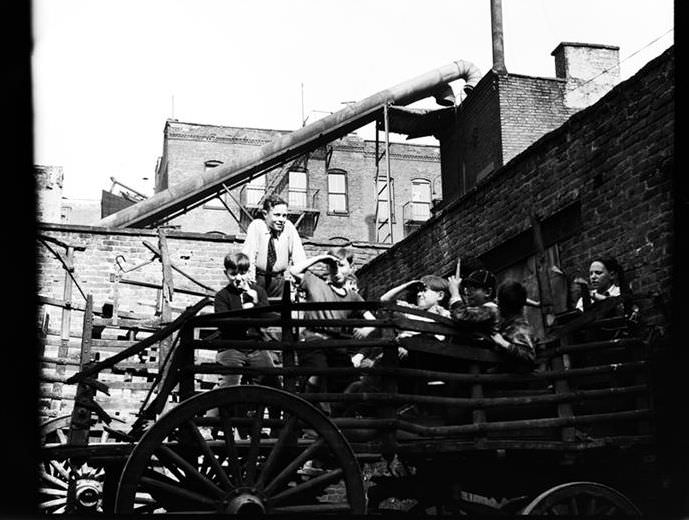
(186, 194)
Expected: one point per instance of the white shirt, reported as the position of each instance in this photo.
(288, 247)
(613, 290)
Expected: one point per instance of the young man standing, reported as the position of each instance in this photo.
(272, 244)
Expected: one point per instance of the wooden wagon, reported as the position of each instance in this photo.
(468, 435)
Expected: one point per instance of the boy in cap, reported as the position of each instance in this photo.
(431, 292)
(471, 299)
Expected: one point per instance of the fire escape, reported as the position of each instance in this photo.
(302, 201)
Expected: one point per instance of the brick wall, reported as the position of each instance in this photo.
(529, 108)
(615, 158)
(472, 143)
(200, 256)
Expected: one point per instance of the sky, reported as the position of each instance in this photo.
(108, 73)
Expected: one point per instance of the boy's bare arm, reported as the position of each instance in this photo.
(392, 293)
(297, 270)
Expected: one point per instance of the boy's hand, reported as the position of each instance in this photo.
(499, 340)
(362, 332)
(357, 359)
(402, 352)
(366, 363)
(453, 285)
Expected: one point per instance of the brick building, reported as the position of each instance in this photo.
(508, 112)
(598, 184)
(331, 193)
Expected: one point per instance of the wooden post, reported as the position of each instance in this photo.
(478, 414)
(186, 359)
(542, 274)
(86, 334)
(288, 359)
(390, 359)
(166, 296)
(63, 349)
(80, 423)
(564, 409)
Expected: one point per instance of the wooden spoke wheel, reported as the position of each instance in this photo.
(68, 486)
(243, 449)
(581, 499)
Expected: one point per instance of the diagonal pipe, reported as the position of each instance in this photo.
(202, 186)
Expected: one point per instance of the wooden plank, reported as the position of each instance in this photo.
(210, 290)
(150, 325)
(478, 414)
(210, 368)
(144, 343)
(140, 283)
(167, 296)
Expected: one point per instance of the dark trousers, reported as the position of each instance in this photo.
(273, 283)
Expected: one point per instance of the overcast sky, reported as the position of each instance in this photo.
(107, 74)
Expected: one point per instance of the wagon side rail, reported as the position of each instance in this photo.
(489, 408)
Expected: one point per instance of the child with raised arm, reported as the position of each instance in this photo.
(471, 299)
(431, 294)
(335, 289)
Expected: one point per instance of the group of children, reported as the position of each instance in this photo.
(473, 299)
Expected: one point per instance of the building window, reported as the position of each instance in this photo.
(385, 195)
(255, 190)
(297, 188)
(214, 203)
(420, 199)
(337, 191)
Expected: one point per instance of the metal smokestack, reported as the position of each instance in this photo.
(496, 26)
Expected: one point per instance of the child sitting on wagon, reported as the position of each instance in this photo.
(514, 334)
(472, 300)
(431, 293)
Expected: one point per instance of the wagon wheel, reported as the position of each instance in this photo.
(67, 485)
(57, 474)
(581, 499)
(193, 461)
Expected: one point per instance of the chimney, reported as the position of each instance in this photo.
(590, 71)
(496, 29)
(48, 193)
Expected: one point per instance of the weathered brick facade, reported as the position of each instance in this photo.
(199, 255)
(611, 162)
(506, 113)
(188, 146)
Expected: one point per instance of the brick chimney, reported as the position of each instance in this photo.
(590, 71)
(49, 193)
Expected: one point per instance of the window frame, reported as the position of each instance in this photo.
(421, 181)
(304, 190)
(343, 173)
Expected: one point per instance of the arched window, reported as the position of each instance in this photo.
(421, 199)
(337, 191)
(298, 184)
